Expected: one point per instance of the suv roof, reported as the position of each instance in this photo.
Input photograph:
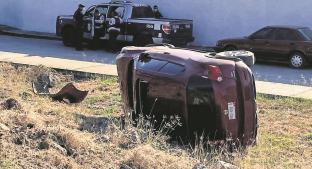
(177, 55)
(286, 26)
(124, 3)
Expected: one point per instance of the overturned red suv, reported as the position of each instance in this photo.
(213, 94)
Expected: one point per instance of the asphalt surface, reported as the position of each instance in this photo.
(277, 73)
(53, 48)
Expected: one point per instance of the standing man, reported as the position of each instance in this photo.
(78, 18)
(157, 12)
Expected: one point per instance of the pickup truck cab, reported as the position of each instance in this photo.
(138, 25)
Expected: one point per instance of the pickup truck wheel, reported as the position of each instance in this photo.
(94, 43)
(143, 40)
(297, 60)
(68, 37)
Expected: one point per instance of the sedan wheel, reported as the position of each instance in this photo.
(297, 60)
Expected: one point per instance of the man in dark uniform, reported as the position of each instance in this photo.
(114, 30)
(157, 12)
(78, 18)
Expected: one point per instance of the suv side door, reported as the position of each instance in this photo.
(88, 31)
(283, 43)
(259, 41)
(100, 15)
(120, 10)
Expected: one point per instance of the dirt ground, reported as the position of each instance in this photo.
(36, 132)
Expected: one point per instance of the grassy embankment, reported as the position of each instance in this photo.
(41, 133)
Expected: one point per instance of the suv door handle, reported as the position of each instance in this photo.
(292, 43)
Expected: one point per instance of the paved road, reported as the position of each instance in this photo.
(49, 48)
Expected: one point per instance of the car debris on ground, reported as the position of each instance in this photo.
(69, 93)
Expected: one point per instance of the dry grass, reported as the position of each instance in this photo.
(46, 134)
(284, 139)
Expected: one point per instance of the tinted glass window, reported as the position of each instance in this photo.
(160, 66)
(101, 10)
(307, 33)
(286, 34)
(172, 69)
(90, 11)
(151, 64)
(142, 12)
(265, 33)
(116, 11)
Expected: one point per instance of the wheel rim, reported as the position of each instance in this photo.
(296, 60)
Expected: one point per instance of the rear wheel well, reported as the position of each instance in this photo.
(296, 51)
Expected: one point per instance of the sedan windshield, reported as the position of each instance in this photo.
(306, 32)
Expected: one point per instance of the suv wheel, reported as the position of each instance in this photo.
(143, 40)
(68, 36)
(297, 60)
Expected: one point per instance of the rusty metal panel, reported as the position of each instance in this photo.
(69, 93)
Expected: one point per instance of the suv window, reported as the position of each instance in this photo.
(90, 11)
(151, 64)
(116, 10)
(160, 66)
(286, 34)
(142, 12)
(102, 10)
(172, 69)
(265, 33)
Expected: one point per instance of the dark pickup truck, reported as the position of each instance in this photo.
(138, 25)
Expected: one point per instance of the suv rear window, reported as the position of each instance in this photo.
(142, 12)
(160, 66)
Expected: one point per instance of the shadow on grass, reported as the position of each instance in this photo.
(95, 124)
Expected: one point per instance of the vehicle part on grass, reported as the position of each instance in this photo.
(214, 95)
(68, 94)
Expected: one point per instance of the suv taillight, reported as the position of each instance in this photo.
(214, 73)
(166, 28)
